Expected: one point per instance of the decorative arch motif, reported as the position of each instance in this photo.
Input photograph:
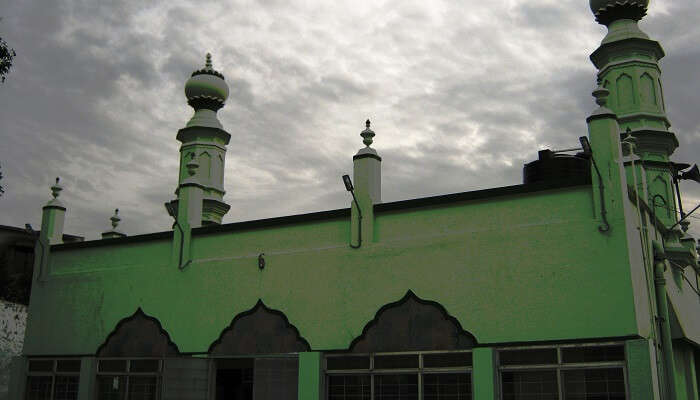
(412, 324)
(205, 164)
(625, 90)
(259, 330)
(138, 335)
(648, 89)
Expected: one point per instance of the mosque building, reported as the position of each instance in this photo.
(580, 283)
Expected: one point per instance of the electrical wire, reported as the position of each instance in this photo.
(685, 277)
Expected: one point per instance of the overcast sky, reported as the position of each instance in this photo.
(460, 94)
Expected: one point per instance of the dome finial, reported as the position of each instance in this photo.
(367, 134)
(608, 11)
(208, 64)
(56, 189)
(115, 219)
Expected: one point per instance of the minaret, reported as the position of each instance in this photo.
(204, 143)
(628, 66)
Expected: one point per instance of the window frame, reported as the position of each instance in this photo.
(127, 373)
(420, 370)
(560, 365)
(53, 373)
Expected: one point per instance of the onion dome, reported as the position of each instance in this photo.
(206, 88)
(607, 11)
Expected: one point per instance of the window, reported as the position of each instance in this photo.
(121, 379)
(400, 376)
(52, 379)
(566, 372)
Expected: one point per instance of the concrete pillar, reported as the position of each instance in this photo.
(310, 374)
(608, 175)
(18, 378)
(87, 382)
(53, 217)
(641, 373)
(367, 178)
(484, 373)
(189, 215)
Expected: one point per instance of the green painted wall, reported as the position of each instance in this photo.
(528, 267)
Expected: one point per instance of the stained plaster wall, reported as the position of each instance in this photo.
(516, 268)
(13, 319)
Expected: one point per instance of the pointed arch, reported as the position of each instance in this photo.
(259, 330)
(647, 89)
(205, 164)
(412, 324)
(138, 335)
(625, 90)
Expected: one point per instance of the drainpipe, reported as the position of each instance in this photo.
(660, 263)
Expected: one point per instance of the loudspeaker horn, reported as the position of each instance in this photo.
(693, 174)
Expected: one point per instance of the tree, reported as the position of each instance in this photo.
(7, 54)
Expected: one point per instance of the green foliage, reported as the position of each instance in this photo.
(7, 55)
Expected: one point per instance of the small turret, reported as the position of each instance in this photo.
(113, 233)
(53, 217)
(367, 176)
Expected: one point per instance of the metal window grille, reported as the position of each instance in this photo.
(563, 372)
(129, 379)
(51, 379)
(430, 375)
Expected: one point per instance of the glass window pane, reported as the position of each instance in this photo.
(65, 388)
(144, 365)
(111, 387)
(591, 354)
(447, 386)
(443, 360)
(397, 361)
(349, 387)
(39, 387)
(396, 387)
(348, 362)
(143, 388)
(40, 365)
(594, 384)
(529, 385)
(68, 365)
(112, 366)
(528, 357)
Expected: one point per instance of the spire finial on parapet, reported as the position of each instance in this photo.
(208, 64)
(367, 134)
(115, 219)
(56, 189)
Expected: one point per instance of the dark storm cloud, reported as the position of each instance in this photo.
(460, 95)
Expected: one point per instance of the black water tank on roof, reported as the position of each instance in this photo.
(557, 167)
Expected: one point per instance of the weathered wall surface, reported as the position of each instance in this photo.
(513, 268)
(13, 319)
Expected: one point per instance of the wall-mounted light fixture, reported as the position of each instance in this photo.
(588, 152)
(172, 211)
(349, 188)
